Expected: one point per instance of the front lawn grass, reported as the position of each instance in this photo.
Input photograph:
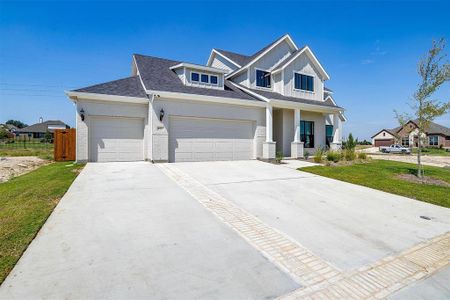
(433, 151)
(382, 175)
(25, 203)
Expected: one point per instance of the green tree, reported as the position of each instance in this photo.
(17, 123)
(433, 72)
(350, 143)
(3, 133)
(48, 137)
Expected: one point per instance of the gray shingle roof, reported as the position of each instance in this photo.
(130, 86)
(240, 59)
(156, 75)
(277, 96)
(433, 128)
(42, 127)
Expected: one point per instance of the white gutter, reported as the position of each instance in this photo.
(203, 98)
(74, 96)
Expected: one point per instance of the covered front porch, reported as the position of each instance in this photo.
(293, 130)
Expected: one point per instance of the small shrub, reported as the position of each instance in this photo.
(318, 156)
(333, 156)
(362, 155)
(306, 154)
(349, 154)
(279, 156)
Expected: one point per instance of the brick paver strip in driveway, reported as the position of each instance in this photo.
(385, 276)
(299, 262)
(375, 280)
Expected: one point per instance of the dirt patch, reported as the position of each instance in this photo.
(14, 166)
(425, 180)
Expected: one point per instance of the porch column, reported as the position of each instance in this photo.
(297, 145)
(269, 145)
(337, 133)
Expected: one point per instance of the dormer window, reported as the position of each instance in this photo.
(205, 78)
(213, 79)
(304, 82)
(262, 79)
(195, 77)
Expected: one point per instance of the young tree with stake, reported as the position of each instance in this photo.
(433, 72)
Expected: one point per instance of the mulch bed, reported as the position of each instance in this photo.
(425, 180)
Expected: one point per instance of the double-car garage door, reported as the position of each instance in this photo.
(190, 139)
(202, 139)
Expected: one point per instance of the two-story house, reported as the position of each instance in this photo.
(233, 108)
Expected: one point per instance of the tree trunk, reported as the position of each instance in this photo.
(419, 161)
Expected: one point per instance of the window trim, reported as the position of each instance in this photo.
(270, 78)
(405, 139)
(305, 74)
(433, 136)
(207, 76)
(313, 135)
(217, 82)
(198, 76)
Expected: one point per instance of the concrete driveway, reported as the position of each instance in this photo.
(126, 231)
(231, 230)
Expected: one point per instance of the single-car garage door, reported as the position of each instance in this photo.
(383, 142)
(201, 139)
(116, 139)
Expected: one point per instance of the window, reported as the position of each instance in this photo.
(205, 78)
(303, 82)
(213, 79)
(405, 141)
(307, 133)
(329, 134)
(433, 140)
(194, 76)
(262, 79)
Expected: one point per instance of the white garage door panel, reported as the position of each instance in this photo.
(197, 139)
(116, 139)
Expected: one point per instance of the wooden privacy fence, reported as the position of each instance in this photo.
(64, 141)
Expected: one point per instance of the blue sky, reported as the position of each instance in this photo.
(370, 49)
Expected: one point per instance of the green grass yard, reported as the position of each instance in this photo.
(382, 175)
(433, 151)
(26, 202)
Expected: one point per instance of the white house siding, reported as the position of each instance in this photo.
(180, 72)
(319, 129)
(283, 130)
(277, 83)
(303, 64)
(105, 108)
(269, 60)
(221, 63)
(241, 79)
(197, 109)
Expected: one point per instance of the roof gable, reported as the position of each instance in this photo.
(258, 55)
(290, 59)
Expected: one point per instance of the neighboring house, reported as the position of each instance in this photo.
(435, 136)
(38, 130)
(234, 107)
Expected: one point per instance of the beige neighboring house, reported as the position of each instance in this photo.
(235, 107)
(435, 136)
